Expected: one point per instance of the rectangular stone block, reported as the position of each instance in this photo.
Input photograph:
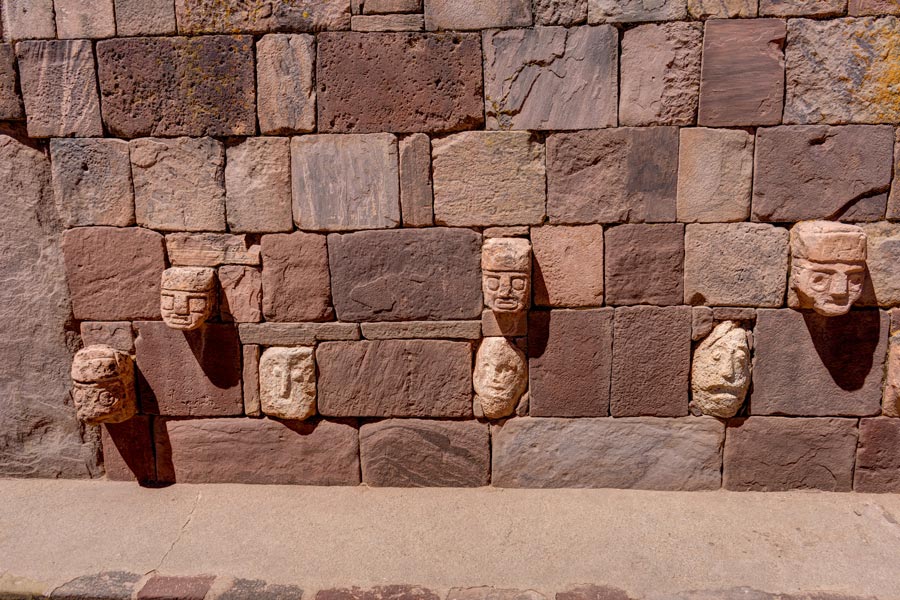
(145, 17)
(211, 250)
(772, 454)
(158, 587)
(295, 277)
(742, 80)
(802, 8)
(810, 365)
(419, 453)
(59, 86)
(380, 7)
(883, 253)
(560, 12)
(416, 195)
(286, 90)
(451, 330)
(612, 176)
(387, 23)
(722, 9)
(624, 11)
(296, 334)
(642, 453)
(128, 450)
(570, 362)
(257, 451)
(527, 71)
(862, 8)
(406, 275)
(651, 361)
(878, 456)
(240, 294)
(189, 374)
(645, 264)
(399, 82)
(250, 380)
(568, 265)
(261, 16)
(78, 19)
(503, 324)
(818, 184)
(395, 378)
(715, 175)
(893, 205)
(735, 264)
(28, 20)
(477, 14)
(11, 108)
(489, 179)
(170, 86)
(345, 182)
(258, 185)
(117, 334)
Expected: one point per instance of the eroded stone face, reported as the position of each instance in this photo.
(506, 274)
(287, 383)
(500, 377)
(103, 385)
(720, 374)
(828, 266)
(187, 296)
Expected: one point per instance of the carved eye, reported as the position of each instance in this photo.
(198, 305)
(518, 284)
(856, 280)
(168, 302)
(493, 284)
(820, 281)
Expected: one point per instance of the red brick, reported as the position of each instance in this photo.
(128, 450)
(878, 456)
(295, 279)
(645, 264)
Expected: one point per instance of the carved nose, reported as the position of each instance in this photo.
(284, 386)
(839, 284)
(181, 305)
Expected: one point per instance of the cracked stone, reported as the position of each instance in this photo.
(624, 11)
(261, 16)
(560, 12)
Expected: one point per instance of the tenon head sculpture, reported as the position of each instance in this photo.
(187, 296)
(103, 385)
(506, 274)
(828, 266)
(720, 374)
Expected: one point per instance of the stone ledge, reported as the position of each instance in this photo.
(296, 334)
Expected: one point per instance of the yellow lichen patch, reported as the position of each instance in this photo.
(880, 88)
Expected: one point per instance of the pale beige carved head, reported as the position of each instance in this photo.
(720, 374)
(103, 385)
(828, 266)
(506, 274)
(287, 383)
(500, 378)
(187, 296)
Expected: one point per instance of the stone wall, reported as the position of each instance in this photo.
(548, 243)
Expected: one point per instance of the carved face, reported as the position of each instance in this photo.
(287, 380)
(828, 288)
(187, 297)
(505, 292)
(103, 387)
(500, 377)
(720, 374)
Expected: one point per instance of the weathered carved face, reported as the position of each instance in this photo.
(828, 266)
(505, 292)
(103, 385)
(500, 377)
(287, 383)
(187, 296)
(506, 274)
(720, 374)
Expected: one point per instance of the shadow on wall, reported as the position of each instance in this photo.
(846, 344)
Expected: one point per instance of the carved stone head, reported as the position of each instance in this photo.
(720, 374)
(506, 274)
(103, 385)
(500, 378)
(828, 266)
(287, 383)
(187, 297)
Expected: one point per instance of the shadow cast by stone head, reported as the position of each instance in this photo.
(846, 344)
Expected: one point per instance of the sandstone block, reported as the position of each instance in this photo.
(286, 89)
(258, 185)
(651, 361)
(345, 182)
(771, 454)
(287, 383)
(11, 108)
(116, 334)
(604, 11)
(406, 275)
(842, 71)
(802, 8)
(816, 183)
(409, 330)
(419, 453)
(79, 19)
(128, 451)
(569, 362)
(260, 16)
(891, 402)
(643, 453)
(416, 195)
(257, 451)
(387, 23)
(513, 231)
(560, 12)
(59, 87)
(492, 593)
(28, 19)
(722, 9)
(715, 175)
(380, 7)
(189, 373)
(145, 17)
(92, 182)
(296, 334)
(861, 8)
(703, 321)
(381, 592)
(568, 265)
(612, 176)
(179, 184)
(735, 264)
(742, 81)
(528, 73)
(250, 380)
(727, 313)
(883, 253)
(645, 264)
(241, 293)
(477, 14)
(811, 365)
(395, 378)
(185, 588)
(399, 82)
(207, 87)
(504, 324)
(661, 74)
(878, 456)
(211, 250)
(295, 277)
(893, 206)
(114, 274)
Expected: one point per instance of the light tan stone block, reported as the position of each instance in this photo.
(722, 9)
(568, 265)
(715, 175)
(28, 19)
(285, 83)
(80, 19)
(258, 186)
(882, 261)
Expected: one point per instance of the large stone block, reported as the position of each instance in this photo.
(113, 273)
(661, 74)
(861, 8)
(570, 362)
(179, 184)
(645, 264)
(560, 12)
(843, 71)
(802, 172)
(387, 23)
(722, 9)
(551, 78)
(417, 330)
(240, 294)
(211, 250)
(286, 88)
(406, 275)
(145, 17)
(893, 206)
(39, 433)
(116, 334)
(257, 451)
(381, 7)
(59, 86)
(28, 19)
(79, 19)
(418, 453)
(260, 16)
(345, 182)
(810, 365)
(189, 373)
(128, 450)
(883, 256)
(568, 265)
(651, 361)
(624, 11)
(878, 456)
(802, 8)
(295, 278)
(715, 175)
(258, 185)
(735, 264)
(612, 176)
(399, 82)
(416, 192)
(643, 453)
(771, 454)
(11, 108)
(395, 378)
(477, 14)
(169, 86)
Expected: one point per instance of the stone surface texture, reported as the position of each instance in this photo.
(715, 175)
(624, 11)
(568, 265)
(259, 16)
(416, 193)
(645, 264)
(295, 277)
(10, 102)
(103, 382)
(287, 383)
(211, 250)
(560, 12)
(412, 330)
(117, 334)
(258, 186)
(883, 253)
(722, 9)
(241, 294)
(296, 334)
(285, 76)
(477, 14)
(720, 372)
(802, 8)
(79, 19)
(28, 19)
(500, 377)
(144, 17)
(860, 8)
(387, 23)
(878, 457)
